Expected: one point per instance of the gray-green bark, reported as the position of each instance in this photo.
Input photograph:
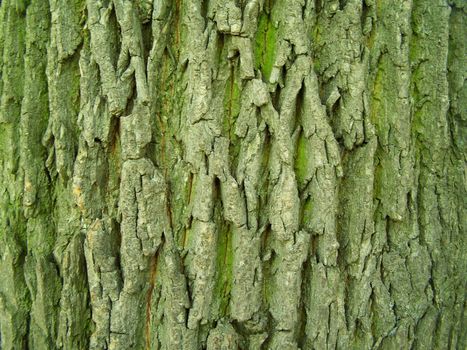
(233, 174)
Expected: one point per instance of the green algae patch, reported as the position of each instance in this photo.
(231, 102)
(224, 263)
(302, 160)
(265, 45)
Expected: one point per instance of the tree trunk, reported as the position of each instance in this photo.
(235, 174)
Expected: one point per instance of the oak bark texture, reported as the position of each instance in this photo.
(233, 174)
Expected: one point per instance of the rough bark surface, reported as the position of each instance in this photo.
(233, 174)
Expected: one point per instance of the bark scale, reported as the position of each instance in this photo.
(253, 174)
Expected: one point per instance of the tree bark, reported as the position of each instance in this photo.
(235, 174)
